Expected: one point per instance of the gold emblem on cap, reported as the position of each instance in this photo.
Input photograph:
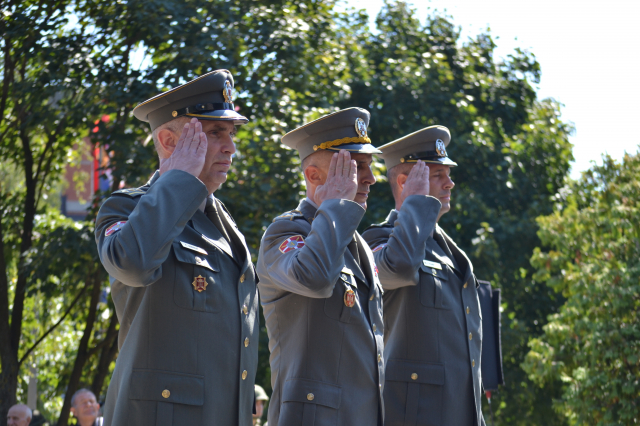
(440, 148)
(227, 92)
(174, 113)
(200, 283)
(361, 127)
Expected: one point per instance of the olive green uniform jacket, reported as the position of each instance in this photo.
(187, 357)
(327, 365)
(433, 325)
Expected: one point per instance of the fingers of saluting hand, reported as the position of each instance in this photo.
(353, 171)
(346, 166)
(202, 145)
(183, 136)
(332, 165)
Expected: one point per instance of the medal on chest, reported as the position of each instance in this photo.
(199, 283)
(349, 298)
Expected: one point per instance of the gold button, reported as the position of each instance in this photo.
(473, 362)
(434, 272)
(468, 310)
(465, 285)
(374, 327)
(245, 309)
(242, 278)
(310, 396)
(414, 376)
(244, 374)
(379, 357)
(198, 259)
(166, 393)
(372, 296)
(246, 342)
(470, 336)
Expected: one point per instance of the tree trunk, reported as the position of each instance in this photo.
(107, 355)
(82, 355)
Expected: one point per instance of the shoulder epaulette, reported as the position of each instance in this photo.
(384, 224)
(132, 192)
(290, 215)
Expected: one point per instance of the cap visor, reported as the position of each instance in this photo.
(363, 148)
(222, 115)
(442, 160)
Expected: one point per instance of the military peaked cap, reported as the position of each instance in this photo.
(428, 145)
(344, 129)
(208, 97)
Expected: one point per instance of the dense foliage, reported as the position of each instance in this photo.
(592, 345)
(67, 63)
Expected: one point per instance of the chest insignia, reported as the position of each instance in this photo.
(434, 265)
(114, 228)
(349, 298)
(199, 283)
(292, 243)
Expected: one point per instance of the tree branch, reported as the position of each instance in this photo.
(24, 357)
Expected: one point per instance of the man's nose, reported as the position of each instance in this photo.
(449, 184)
(228, 146)
(368, 177)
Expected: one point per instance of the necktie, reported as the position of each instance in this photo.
(212, 213)
(353, 248)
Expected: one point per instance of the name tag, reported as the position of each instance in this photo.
(194, 248)
(430, 264)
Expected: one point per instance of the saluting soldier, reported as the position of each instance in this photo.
(433, 332)
(319, 287)
(181, 275)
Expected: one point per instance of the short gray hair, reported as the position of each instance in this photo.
(78, 392)
(174, 125)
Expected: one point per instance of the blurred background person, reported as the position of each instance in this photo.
(85, 408)
(20, 415)
(261, 400)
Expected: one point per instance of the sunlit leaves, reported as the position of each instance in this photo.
(592, 343)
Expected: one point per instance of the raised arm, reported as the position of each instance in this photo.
(399, 251)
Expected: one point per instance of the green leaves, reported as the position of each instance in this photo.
(592, 343)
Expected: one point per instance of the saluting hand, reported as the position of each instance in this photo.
(342, 182)
(417, 182)
(190, 151)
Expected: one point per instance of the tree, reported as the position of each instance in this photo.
(42, 110)
(592, 344)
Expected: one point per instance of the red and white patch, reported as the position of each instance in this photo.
(114, 228)
(375, 268)
(380, 247)
(292, 243)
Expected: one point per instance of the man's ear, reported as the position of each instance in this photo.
(400, 180)
(167, 140)
(313, 175)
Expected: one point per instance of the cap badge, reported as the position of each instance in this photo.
(199, 284)
(361, 127)
(440, 148)
(227, 92)
(292, 243)
(349, 298)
